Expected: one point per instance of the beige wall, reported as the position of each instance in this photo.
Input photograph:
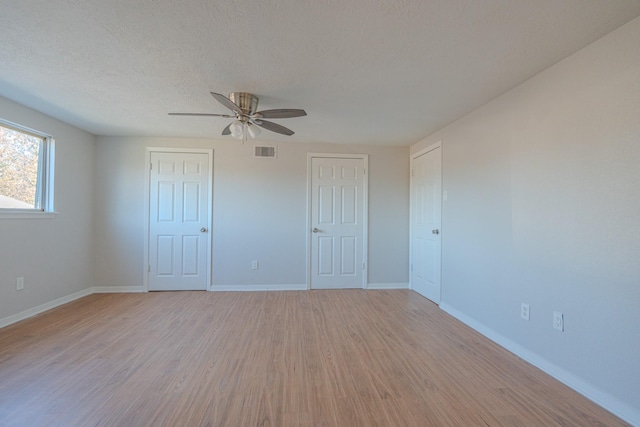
(543, 207)
(259, 211)
(54, 255)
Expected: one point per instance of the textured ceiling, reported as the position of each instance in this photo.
(367, 71)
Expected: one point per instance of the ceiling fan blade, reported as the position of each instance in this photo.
(281, 113)
(274, 127)
(226, 102)
(201, 114)
(227, 130)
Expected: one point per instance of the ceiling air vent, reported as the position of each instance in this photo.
(264, 151)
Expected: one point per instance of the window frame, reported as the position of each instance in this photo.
(44, 207)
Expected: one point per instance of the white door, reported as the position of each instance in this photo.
(178, 221)
(426, 192)
(337, 223)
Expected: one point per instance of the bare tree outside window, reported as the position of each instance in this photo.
(19, 163)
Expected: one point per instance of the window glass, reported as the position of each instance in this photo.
(24, 163)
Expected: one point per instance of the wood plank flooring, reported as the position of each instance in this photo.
(316, 358)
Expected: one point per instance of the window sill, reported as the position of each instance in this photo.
(27, 215)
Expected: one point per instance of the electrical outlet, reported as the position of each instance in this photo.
(558, 321)
(254, 264)
(524, 311)
(19, 283)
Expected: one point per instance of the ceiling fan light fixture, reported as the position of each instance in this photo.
(254, 131)
(236, 129)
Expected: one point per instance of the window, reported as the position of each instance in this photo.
(26, 171)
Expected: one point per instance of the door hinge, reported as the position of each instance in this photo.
(363, 265)
(411, 172)
(364, 171)
(150, 166)
(148, 269)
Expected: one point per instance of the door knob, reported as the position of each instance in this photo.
(203, 230)
(316, 230)
(436, 231)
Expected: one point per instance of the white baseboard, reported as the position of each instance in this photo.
(117, 289)
(44, 307)
(250, 288)
(608, 402)
(388, 286)
(300, 287)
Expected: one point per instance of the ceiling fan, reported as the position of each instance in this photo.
(243, 106)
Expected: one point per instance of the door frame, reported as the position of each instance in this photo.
(147, 208)
(413, 157)
(365, 210)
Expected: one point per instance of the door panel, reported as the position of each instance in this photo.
(349, 205)
(166, 201)
(425, 224)
(178, 221)
(349, 253)
(337, 205)
(190, 255)
(191, 205)
(325, 254)
(164, 260)
(326, 206)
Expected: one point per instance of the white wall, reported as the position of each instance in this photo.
(544, 207)
(259, 211)
(53, 255)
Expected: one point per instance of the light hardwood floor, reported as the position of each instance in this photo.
(316, 358)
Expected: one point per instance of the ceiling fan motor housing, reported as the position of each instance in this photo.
(247, 102)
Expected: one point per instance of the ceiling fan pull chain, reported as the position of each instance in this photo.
(244, 133)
